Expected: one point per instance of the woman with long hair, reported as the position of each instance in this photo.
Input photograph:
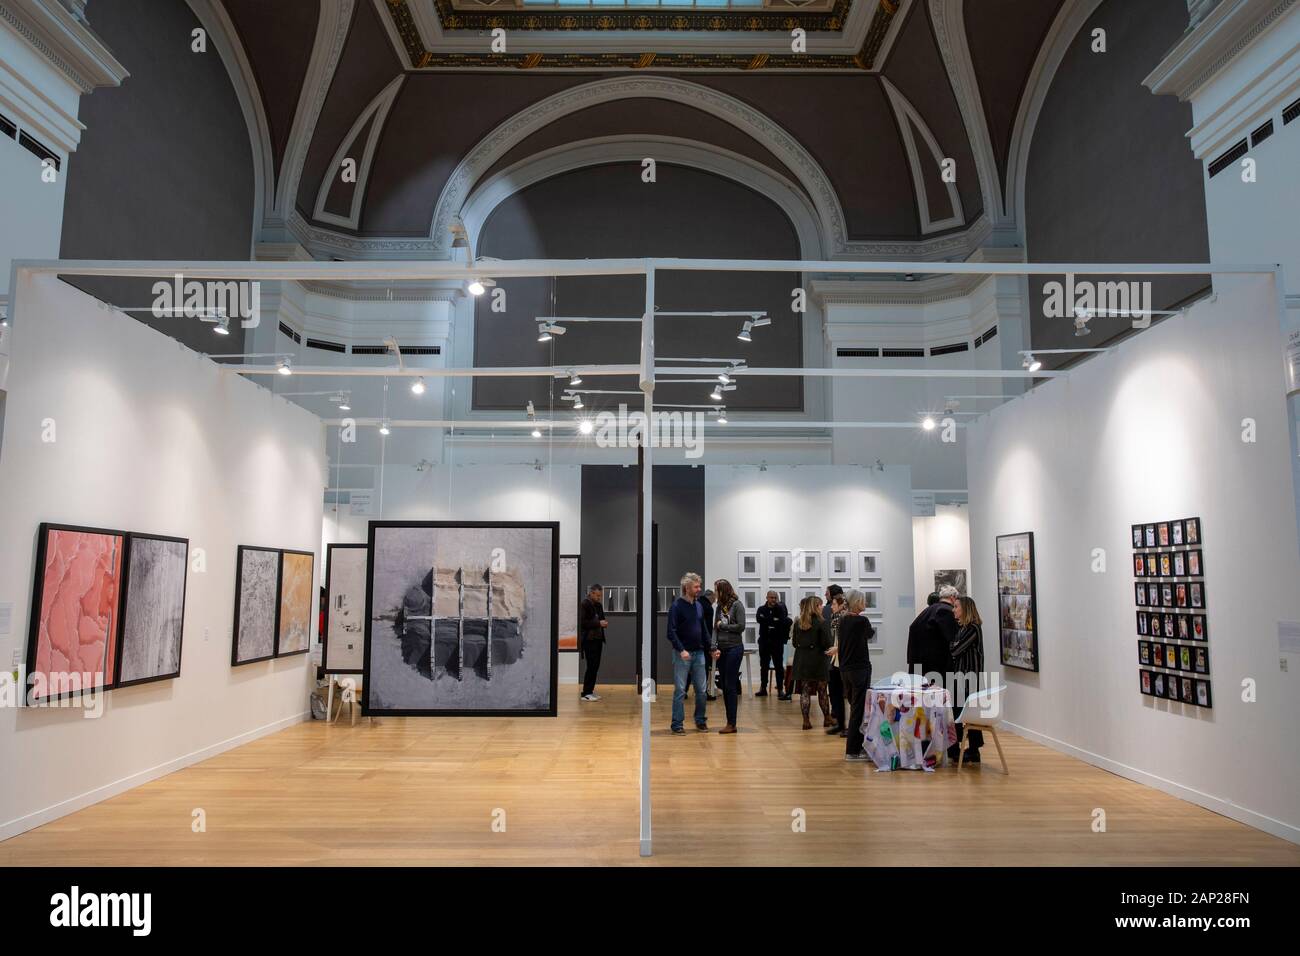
(811, 637)
(967, 651)
(729, 637)
(854, 652)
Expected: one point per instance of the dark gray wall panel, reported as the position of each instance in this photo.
(1111, 177)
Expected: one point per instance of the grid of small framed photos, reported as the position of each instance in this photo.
(1172, 629)
(797, 573)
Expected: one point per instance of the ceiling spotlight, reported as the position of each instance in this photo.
(383, 428)
(223, 326)
(577, 402)
(1030, 363)
(417, 387)
(476, 287)
(575, 379)
(928, 423)
(344, 406)
(950, 406)
(744, 335)
(546, 330)
(722, 416)
(724, 378)
(283, 367)
(716, 394)
(537, 432)
(585, 426)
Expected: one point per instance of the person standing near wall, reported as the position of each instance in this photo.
(834, 678)
(773, 629)
(811, 636)
(931, 636)
(591, 638)
(967, 653)
(855, 667)
(729, 638)
(706, 605)
(690, 641)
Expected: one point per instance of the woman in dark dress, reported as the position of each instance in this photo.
(967, 651)
(812, 639)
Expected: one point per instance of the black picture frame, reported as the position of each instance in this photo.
(1170, 629)
(1149, 533)
(239, 588)
(1192, 531)
(34, 612)
(1157, 654)
(552, 709)
(1143, 623)
(1028, 537)
(125, 600)
(1166, 595)
(1184, 627)
(1139, 565)
(1145, 681)
(1201, 659)
(279, 599)
(1196, 595)
(582, 596)
(1184, 658)
(1137, 536)
(1140, 594)
(1153, 565)
(1166, 565)
(1180, 595)
(1200, 685)
(1188, 695)
(1153, 595)
(1144, 653)
(1158, 685)
(1195, 565)
(1162, 534)
(1171, 657)
(329, 605)
(1205, 627)
(1176, 533)
(1180, 564)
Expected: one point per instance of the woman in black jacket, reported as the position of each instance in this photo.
(811, 637)
(967, 651)
(855, 635)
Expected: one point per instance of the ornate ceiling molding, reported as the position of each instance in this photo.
(377, 110)
(65, 41)
(1221, 33)
(908, 119)
(613, 44)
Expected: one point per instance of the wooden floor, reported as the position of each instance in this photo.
(424, 791)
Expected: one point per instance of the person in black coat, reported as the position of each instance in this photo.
(773, 631)
(968, 666)
(931, 636)
(854, 653)
(591, 638)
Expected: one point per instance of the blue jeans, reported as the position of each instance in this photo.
(692, 670)
(729, 663)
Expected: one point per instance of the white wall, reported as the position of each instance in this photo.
(1147, 433)
(941, 542)
(149, 437)
(817, 507)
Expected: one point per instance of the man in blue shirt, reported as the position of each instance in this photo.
(691, 641)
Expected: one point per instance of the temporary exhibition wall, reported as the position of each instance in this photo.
(941, 542)
(1186, 419)
(112, 424)
(818, 508)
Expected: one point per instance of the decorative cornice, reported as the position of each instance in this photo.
(65, 41)
(1212, 43)
(623, 18)
(925, 291)
(398, 292)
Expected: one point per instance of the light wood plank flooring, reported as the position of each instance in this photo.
(424, 791)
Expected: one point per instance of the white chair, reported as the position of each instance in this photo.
(982, 711)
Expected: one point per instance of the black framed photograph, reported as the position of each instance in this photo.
(1144, 683)
(1171, 687)
(1180, 564)
(1153, 567)
(153, 609)
(1192, 530)
(1158, 685)
(1201, 660)
(1166, 595)
(1171, 657)
(1139, 566)
(1140, 593)
(1166, 565)
(299, 600)
(1137, 536)
(1142, 623)
(1184, 658)
(1153, 595)
(257, 605)
(1144, 652)
(1196, 594)
(1180, 595)
(1155, 621)
(1162, 534)
(1200, 628)
(1188, 694)
(1017, 600)
(1150, 535)
(462, 619)
(1176, 532)
(1203, 694)
(1169, 626)
(1157, 654)
(1195, 566)
(1184, 628)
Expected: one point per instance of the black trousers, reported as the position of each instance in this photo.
(857, 682)
(770, 652)
(835, 687)
(591, 650)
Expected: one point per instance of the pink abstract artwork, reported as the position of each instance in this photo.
(78, 629)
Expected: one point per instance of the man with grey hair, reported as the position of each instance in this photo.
(931, 635)
(691, 641)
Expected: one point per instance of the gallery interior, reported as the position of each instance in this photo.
(345, 345)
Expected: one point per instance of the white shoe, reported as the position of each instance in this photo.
(591, 697)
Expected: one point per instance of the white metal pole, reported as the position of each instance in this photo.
(647, 549)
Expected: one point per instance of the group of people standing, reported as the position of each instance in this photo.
(831, 640)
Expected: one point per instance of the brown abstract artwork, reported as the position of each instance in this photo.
(296, 603)
(75, 610)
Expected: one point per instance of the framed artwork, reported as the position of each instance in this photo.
(1017, 607)
(1171, 687)
(1180, 595)
(1180, 564)
(749, 565)
(839, 565)
(462, 618)
(72, 641)
(1137, 536)
(1140, 593)
(1188, 695)
(1200, 630)
(876, 642)
(1142, 622)
(869, 565)
(1139, 566)
(1156, 621)
(750, 597)
(1192, 530)
(954, 578)
(1171, 657)
(808, 564)
(1203, 693)
(153, 609)
(1145, 683)
(257, 605)
(871, 595)
(1169, 626)
(1185, 658)
(1153, 595)
(1196, 594)
(1166, 595)
(1166, 565)
(783, 597)
(345, 608)
(297, 621)
(1144, 652)
(1158, 685)
(1195, 568)
(1176, 533)
(806, 591)
(1162, 534)
(1184, 628)
(751, 634)
(1149, 534)
(1153, 570)
(571, 597)
(778, 565)
(1201, 660)
(1157, 655)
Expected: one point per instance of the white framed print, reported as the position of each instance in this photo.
(778, 565)
(782, 595)
(807, 564)
(839, 565)
(751, 634)
(877, 643)
(749, 565)
(869, 566)
(809, 590)
(750, 598)
(871, 594)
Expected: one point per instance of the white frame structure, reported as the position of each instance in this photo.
(646, 370)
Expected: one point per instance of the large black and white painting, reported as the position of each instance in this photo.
(154, 614)
(345, 608)
(462, 618)
(257, 601)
